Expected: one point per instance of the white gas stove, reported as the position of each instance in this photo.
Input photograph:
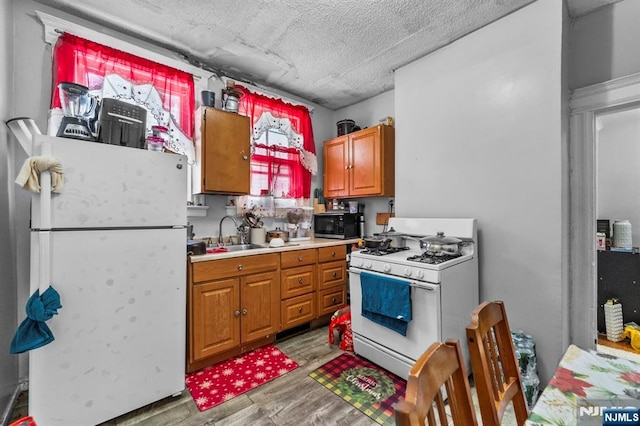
(443, 293)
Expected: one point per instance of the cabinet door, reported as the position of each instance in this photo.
(297, 281)
(215, 318)
(365, 169)
(336, 163)
(226, 150)
(331, 274)
(260, 300)
(298, 310)
(331, 300)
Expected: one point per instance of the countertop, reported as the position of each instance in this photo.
(290, 246)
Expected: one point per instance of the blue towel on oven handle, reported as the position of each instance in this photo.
(386, 301)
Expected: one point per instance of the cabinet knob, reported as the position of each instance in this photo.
(333, 254)
(300, 280)
(244, 312)
(334, 300)
(300, 310)
(240, 267)
(346, 167)
(300, 258)
(244, 157)
(335, 274)
(237, 313)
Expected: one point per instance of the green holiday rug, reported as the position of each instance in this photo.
(364, 385)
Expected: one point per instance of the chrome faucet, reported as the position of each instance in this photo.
(220, 227)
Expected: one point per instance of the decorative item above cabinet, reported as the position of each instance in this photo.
(360, 164)
(223, 154)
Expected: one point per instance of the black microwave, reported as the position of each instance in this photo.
(340, 224)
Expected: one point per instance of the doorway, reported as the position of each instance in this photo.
(589, 106)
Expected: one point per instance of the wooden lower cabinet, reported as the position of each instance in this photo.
(237, 304)
(332, 279)
(233, 307)
(298, 287)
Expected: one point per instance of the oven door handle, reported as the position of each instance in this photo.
(424, 286)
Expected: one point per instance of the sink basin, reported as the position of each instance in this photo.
(241, 247)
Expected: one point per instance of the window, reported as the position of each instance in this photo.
(275, 168)
(165, 92)
(283, 151)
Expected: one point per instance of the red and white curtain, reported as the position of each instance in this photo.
(165, 92)
(288, 168)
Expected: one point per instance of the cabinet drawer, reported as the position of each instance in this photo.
(331, 274)
(236, 266)
(297, 310)
(296, 281)
(331, 300)
(328, 254)
(290, 259)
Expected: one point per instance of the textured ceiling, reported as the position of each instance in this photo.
(331, 52)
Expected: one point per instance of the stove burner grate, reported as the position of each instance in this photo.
(382, 252)
(431, 258)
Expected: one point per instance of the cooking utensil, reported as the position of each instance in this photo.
(277, 233)
(251, 220)
(440, 244)
(276, 242)
(377, 243)
(398, 239)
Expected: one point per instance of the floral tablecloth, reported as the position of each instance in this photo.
(585, 383)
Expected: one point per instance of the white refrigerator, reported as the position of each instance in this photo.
(113, 245)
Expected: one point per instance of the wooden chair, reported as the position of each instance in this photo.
(494, 364)
(442, 364)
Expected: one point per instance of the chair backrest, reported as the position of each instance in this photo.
(493, 361)
(441, 365)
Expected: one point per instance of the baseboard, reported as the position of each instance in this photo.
(22, 386)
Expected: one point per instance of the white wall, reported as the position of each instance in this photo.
(479, 135)
(8, 306)
(366, 114)
(618, 169)
(605, 44)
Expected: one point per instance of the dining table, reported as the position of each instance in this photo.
(585, 383)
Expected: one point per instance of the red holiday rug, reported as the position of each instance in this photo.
(369, 388)
(218, 383)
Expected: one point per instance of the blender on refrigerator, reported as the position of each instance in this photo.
(79, 109)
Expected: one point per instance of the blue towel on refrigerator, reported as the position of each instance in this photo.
(33, 333)
(386, 301)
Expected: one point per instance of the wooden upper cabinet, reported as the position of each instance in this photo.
(224, 153)
(336, 161)
(360, 164)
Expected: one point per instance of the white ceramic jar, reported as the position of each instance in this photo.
(622, 234)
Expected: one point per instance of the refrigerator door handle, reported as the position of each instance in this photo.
(45, 216)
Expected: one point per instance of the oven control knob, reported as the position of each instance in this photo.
(386, 267)
(368, 265)
(420, 273)
(407, 272)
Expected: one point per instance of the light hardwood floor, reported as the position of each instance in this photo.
(292, 399)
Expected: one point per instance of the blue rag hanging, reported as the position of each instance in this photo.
(386, 301)
(33, 333)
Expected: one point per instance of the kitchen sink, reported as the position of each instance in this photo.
(241, 247)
